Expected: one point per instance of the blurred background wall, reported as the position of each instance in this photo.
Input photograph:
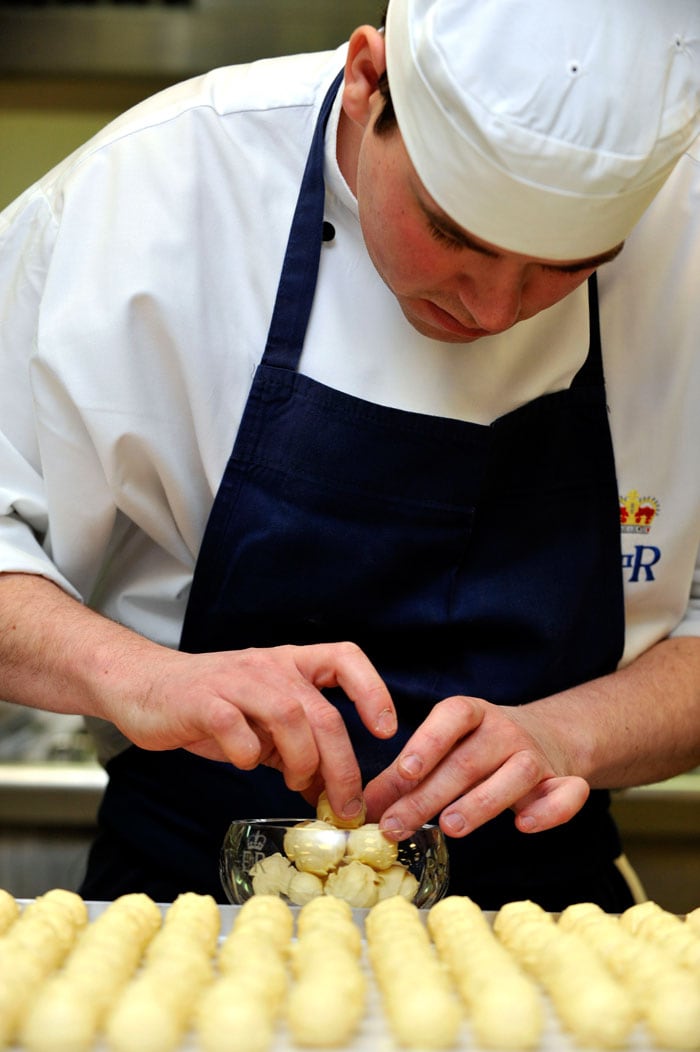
(67, 67)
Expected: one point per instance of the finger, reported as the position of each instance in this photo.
(382, 792)
(288, 738)
(279, 736)
(345, 665)
(209, 750)
(309, 733)
(501, 790)
(551, 803)
(339, 769)
(230, 738)
(437, 764)
(447, 723)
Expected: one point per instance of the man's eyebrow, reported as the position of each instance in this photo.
(445, 224)
(591, 263)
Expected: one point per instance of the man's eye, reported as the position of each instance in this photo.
(443, 237)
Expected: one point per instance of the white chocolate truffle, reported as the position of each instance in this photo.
(266, 906)
(60, 1019)
(245, 938)
(229, 1019)
(9, 910)
(578, 914)
(264, 978)
(347, 936)
(426, 1016)
(508, 1014)
(514, 913)
(672, 1013)
(137, 908)
(634, 915)
(356, 883)
(692, 919)
(397, 880)
(320, 910)
(368, 844)
(323, 1015)
(303, 887)
(529, 941)
(142, 1021)
(271, 875)
(71, 902)
(325, 812)
(197, 915)
(267, 918)
(683, 945)
(314, 846)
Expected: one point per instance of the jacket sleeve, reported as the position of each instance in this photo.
(37, 419)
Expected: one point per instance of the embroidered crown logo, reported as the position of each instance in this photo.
(637, 513)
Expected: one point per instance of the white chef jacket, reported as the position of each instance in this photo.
(136, 287)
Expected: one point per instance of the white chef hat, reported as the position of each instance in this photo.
(545, 127)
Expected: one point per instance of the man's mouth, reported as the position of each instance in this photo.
(442, 319)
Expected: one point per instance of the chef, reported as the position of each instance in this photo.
(340, 398)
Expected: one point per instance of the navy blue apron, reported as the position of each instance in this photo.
(462, 558)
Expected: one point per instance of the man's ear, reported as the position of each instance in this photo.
(365, 63)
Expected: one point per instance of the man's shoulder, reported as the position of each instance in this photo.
(266, 86)
(280, 94)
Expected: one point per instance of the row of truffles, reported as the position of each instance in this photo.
(589, 1001)
(156, 1009)
(331, 856)
(70, 1009)
(142, 978)
(326, 1002)
(34, 942)
(503, 1004)
(606, 974)
(419, 1000)
(656, 957)
(314, 983)
(239, 1011)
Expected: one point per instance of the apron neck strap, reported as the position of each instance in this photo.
(297, 284)
(591, 372)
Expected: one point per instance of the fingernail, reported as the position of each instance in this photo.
(352, 807)
(411, 765)
(453, 823)
(386, 722)
(392, 827)
(527, 823)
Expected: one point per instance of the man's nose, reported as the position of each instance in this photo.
(493, 298)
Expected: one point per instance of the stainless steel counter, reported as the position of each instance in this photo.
(47, 823)
(50, 794)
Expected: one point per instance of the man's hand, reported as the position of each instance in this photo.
(264, 706)
(469, 761)
(246, 707)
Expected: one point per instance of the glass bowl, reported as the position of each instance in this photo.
(299, 859)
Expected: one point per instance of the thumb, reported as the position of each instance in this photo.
(551, 803)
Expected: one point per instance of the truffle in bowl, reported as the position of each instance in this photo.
(300, 859)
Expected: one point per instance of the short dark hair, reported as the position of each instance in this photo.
(386, 122)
